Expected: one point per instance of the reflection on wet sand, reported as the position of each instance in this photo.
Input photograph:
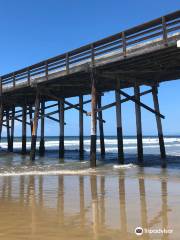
(84, 207)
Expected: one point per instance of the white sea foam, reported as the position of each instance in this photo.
(130, 165)
(47, 173)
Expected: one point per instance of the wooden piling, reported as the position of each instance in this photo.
(61, 122)
(93, 122)
(101, 128)
(119, 125)
(138, 124)
(35, 126)
(24, 117)
(12, 128)
(8, 130)
(81, 130)
(158, 122)
(30, 118)
(41, 145)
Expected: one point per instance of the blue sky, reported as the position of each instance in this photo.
(35, 30)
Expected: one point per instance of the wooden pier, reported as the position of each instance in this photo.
(147, 54)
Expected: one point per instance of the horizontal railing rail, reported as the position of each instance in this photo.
(160, 28)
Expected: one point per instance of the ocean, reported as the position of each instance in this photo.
(14, 163)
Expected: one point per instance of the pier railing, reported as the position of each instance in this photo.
(119, 43)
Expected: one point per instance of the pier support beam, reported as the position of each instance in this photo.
(12, 129)
(119, 125)
(41, 146)
(61, 122)
(158, 121)
(101, 129)
(34, 128)
(30, 118)
(138, 124)
(24, 112)
(93, 121)
(81, 130)
(8, 130)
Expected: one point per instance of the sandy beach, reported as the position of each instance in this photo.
(92, 206)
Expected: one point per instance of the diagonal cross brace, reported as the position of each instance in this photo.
(16, 118)
(76, 105)
(48, 115)
(132, 98)
(67, 103)
(122, 101)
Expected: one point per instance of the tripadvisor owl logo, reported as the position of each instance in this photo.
(139, 231)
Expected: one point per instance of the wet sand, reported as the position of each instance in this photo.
(97, 205)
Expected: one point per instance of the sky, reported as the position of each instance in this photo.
(34, 30)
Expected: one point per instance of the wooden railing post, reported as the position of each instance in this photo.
(67, 63)
(28, 75)
(46, 70)
(164, 31)
(124, 43)
(1, 86)
(14, 80)
(92, 56)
